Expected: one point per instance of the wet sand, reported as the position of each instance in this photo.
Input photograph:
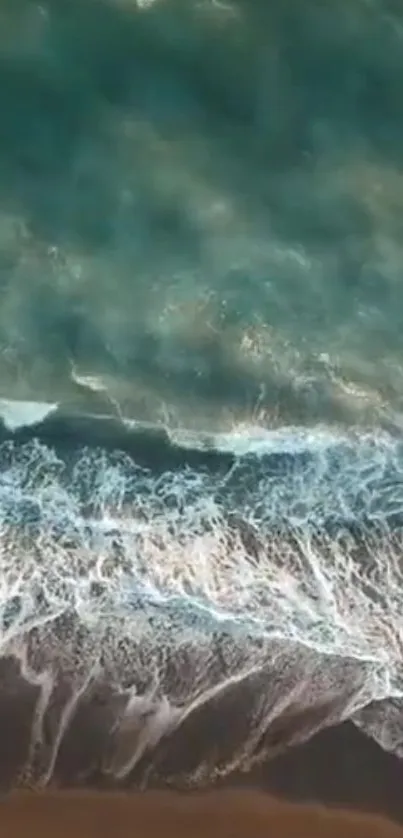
(168, 815)
(340, 766)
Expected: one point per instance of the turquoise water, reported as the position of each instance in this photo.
(201, 209)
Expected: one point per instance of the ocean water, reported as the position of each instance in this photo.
(201, 460)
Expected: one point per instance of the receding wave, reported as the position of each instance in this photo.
(148, 587)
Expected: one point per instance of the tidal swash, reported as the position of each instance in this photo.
(201, 452)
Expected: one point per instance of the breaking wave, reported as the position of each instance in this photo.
(260, 590)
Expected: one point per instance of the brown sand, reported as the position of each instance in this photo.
(226, 814)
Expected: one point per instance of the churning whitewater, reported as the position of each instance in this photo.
(262, 580)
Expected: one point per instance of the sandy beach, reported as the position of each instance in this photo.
(338, 783)
(153, 815)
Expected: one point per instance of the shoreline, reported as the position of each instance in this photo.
(162, 815)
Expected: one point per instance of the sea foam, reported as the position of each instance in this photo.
(265, 578)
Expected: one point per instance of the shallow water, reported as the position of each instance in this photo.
(177, 587)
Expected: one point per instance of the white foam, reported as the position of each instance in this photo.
(255, 439)
(174, 536)
(19, 414)
(262, 554)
